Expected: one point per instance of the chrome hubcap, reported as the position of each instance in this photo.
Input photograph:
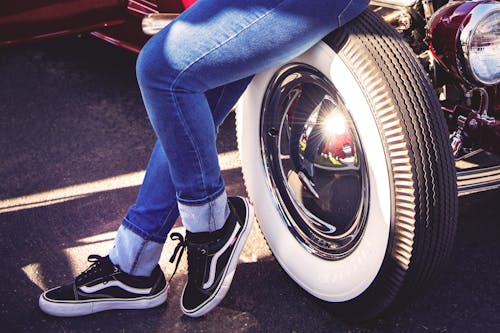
(315, 162)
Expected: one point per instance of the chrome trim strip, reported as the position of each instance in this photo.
(478, 180)
(153, 23)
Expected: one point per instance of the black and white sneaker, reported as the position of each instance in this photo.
(212, 259)
(103, 286)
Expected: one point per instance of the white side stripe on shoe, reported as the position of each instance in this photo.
(114, 283)
(213, 263)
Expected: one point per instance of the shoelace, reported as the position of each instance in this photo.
(96, 267)
(179, 249)
(195, 266)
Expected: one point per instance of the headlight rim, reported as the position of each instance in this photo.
(476, 16)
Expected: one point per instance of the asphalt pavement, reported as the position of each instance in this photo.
(74, 143)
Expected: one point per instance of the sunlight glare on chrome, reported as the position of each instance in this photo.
(334, 124)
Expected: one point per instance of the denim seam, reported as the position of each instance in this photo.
(217, 105)
(211, 225)
(220, 97)
(136, 260)
(190, 136)
(164, 221)
(339, 17)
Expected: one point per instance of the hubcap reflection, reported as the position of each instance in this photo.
(315, 162)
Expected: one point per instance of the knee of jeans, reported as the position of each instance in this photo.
(152, 69)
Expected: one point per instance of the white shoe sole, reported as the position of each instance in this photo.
(86, 307)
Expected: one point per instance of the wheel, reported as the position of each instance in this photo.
(346, 158)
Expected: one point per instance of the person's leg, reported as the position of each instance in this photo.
(211, 44)
(137, 282)
(140, 239)
(222, 99)
(202, 73)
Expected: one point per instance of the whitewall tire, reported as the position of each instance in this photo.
(376, 212)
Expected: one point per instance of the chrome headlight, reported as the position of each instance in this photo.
(480, 45)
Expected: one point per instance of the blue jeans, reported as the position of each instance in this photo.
(190, 75)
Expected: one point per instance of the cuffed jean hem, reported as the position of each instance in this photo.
(143, 234)
(134, 254)
(207, 217)
(206, 199)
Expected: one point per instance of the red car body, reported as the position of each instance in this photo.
(115, 21)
